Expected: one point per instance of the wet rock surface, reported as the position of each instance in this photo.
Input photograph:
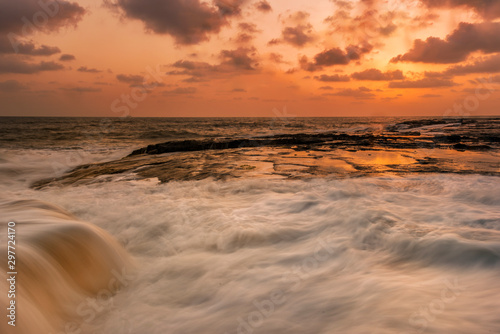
(427, 146)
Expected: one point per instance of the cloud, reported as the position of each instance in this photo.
(130, 79)
(433, 74)
(187, 21)
(88, 70)
(13, 65)
(277, 58)
(362, 93)
(229, 7)
(263, 6)
(489, 9)
(332, 78)
(457, 46)
(198, 71)
(430, 96)
(484, 65)
(346, 5)
(239, 90)
(248, 27)
(334, 56)
(247, 32)
(297, 31)
(28, 16)
(21, 18)
(422, 83)
(11, 86)
(82, 89)
(181, 91)
(240, 60)
(374, 74)
(365, 20)
(25, 48)
(66, 57)
(299, 35)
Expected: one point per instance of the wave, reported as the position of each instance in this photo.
(62, 262)
(357, 255)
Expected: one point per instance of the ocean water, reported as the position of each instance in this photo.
(416, 253)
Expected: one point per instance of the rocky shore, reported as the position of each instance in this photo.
(398, 150)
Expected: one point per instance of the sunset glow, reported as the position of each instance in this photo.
(248, 58)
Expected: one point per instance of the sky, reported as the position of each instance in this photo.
(243, 58)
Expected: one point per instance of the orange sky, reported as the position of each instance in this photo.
(249, 58)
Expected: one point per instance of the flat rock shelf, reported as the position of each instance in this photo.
(293, 156)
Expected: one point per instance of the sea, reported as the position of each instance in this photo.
(321, 226)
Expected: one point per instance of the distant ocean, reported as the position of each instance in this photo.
(252, 225)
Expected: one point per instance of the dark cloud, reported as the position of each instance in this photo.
(263, 6)
(240, 60)
(423, 83)
(274, 41)
(374, 74)
(130, 79)
(247, 32)
(248, 27)
(11, 86)
(244, 38)
(484, 65)
(66, 57)
(362, 93)
(198, 71)
(297, 31)
(85, 69)
(21, 18)
(28, 16)
(188, 21)
(307, 65)
(138, 81)
(239, 90)
(229, 7)
(332, 78)
(14, 65)
(277, 58)
(334, 56)
(25, 48)
(489, 9)
(299, 35)
(457, 46)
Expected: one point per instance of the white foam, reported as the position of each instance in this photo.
(366, 255)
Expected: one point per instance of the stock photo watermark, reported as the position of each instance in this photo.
(420, 320)
(472, 102)
(292, 279)
(39, 21)
(90, 308)
(121, 106)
